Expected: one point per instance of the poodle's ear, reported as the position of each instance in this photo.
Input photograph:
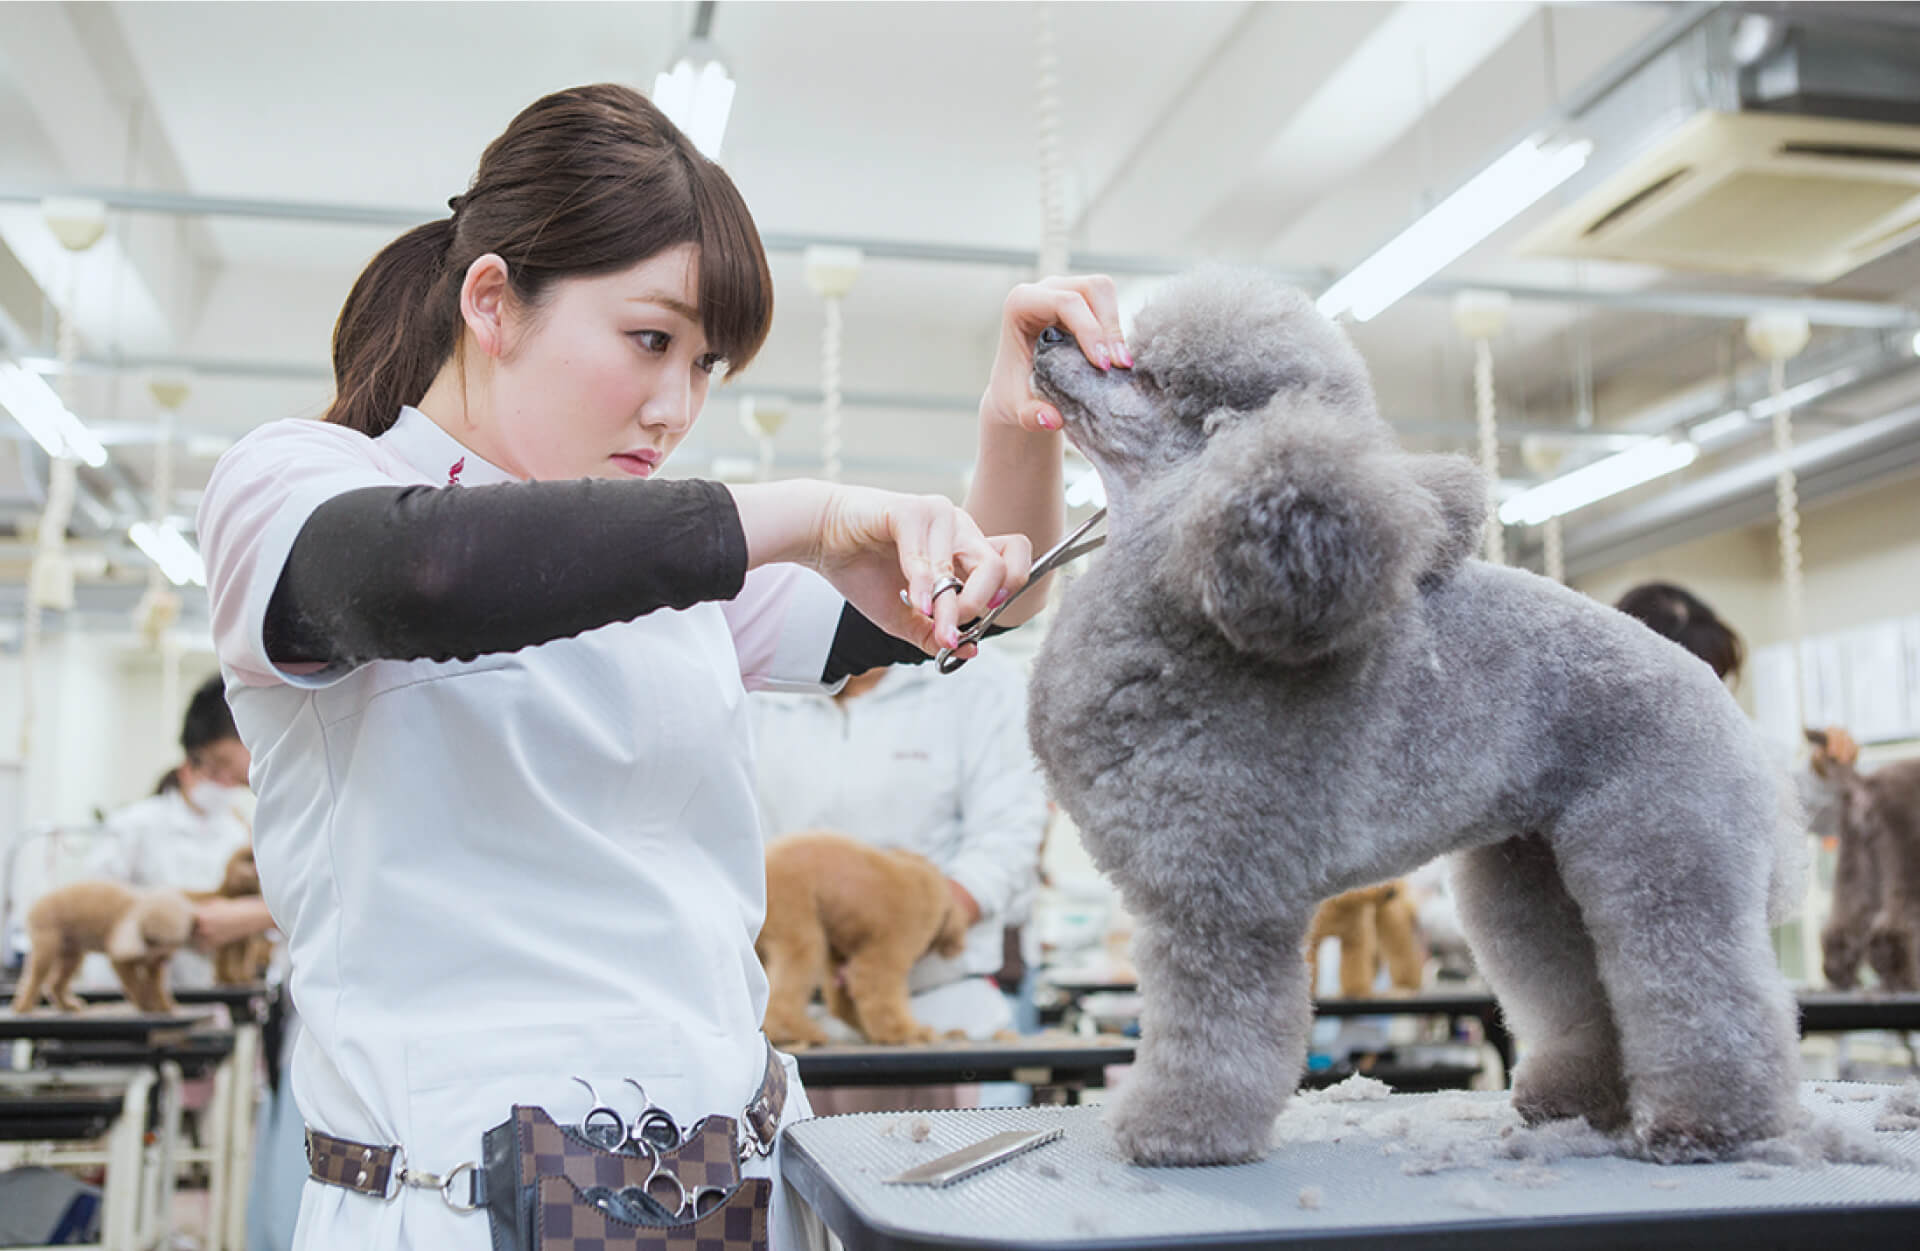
(1460, 490)
(1297, 536)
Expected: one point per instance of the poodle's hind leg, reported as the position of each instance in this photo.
(877, 985)
(796, 962)
(1531, 945)
(1223, 1036)
(1673, 885)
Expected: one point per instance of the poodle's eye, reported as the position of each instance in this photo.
(1053, 334)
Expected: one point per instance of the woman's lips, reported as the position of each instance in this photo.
(640, 464)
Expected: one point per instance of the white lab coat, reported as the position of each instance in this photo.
(162, 841)
(937, 764)
(496, 875)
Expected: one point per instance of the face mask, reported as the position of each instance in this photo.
(213, 799)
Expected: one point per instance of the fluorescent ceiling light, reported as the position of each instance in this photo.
(1489, 200)
(51, 423)
(697, 95)
(1715, 427)
(1611, 476)
(169, 549)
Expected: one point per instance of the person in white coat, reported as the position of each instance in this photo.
(905, 757)
(494, 677)
(183, 834)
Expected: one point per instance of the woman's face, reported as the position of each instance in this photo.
(605, 378)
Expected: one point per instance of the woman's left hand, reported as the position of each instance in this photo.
(1088, 308)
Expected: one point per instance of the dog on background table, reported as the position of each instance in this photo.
(851, 920)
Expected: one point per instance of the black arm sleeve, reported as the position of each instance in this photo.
(438, 573)
(860, 645)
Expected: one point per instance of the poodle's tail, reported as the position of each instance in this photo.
(1792, 859)
(1299, 534)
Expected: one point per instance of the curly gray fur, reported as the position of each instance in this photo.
(1287, 679)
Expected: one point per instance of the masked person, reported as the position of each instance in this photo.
(185, 832)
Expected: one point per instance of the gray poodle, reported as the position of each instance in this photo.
(1287, 679)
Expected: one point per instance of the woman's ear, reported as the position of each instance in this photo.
(484, 294)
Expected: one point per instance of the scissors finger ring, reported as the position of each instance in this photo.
(948, 583)
(601, 1126)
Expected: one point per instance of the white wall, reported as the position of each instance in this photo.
(1861, 561)
(102, 734)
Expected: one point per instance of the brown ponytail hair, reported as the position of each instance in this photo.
(586, 181)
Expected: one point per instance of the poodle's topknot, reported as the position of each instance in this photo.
(1228, 337)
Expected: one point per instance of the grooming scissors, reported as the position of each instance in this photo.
(1074, 546)
(655, 1126)
(602, 1126)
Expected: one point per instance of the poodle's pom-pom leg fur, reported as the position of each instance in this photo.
(1707, 1024)
(1531, 945)
(1890, 952)
(1223, 1036)
(1842, 947)
(877, 984)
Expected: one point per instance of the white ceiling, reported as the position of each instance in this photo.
(1300, 134)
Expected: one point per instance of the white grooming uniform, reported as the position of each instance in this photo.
(938, 765)
(495, 875)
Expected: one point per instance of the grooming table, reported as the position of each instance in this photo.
(1346, 1191)
(1038, 1060)
(1836, 1011)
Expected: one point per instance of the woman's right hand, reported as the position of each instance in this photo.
(872, 544)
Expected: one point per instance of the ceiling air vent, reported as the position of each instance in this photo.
(1761, 194)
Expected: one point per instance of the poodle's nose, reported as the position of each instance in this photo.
(1052, 336)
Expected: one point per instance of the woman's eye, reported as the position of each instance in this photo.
(652, 340)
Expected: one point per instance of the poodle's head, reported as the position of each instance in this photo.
(1214, 347)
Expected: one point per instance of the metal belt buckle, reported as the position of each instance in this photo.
(402, 1177)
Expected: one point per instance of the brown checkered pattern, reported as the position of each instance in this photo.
(564, 1221)
(352, 1165)
(768, 1102)
(708, 1157)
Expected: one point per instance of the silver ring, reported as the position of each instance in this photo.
(948, 583)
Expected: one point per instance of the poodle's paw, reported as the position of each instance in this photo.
(1167, 1132)
(1550, 1086)
(898, 1033)
(802, 1032)
(1709, 1125)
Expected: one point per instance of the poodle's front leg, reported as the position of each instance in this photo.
(1223, 1035)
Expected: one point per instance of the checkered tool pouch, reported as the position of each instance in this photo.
(522, 1156)
(546, 1185)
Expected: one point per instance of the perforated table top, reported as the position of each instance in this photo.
(1410, 1171)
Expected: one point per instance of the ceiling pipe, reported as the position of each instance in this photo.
(1871, 452)
(1722, 305)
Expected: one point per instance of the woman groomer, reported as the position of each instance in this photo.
(494, 680)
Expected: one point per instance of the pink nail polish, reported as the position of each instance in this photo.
(999, 597)
(1125, 357)
(1101, 358)
(1049, 420)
